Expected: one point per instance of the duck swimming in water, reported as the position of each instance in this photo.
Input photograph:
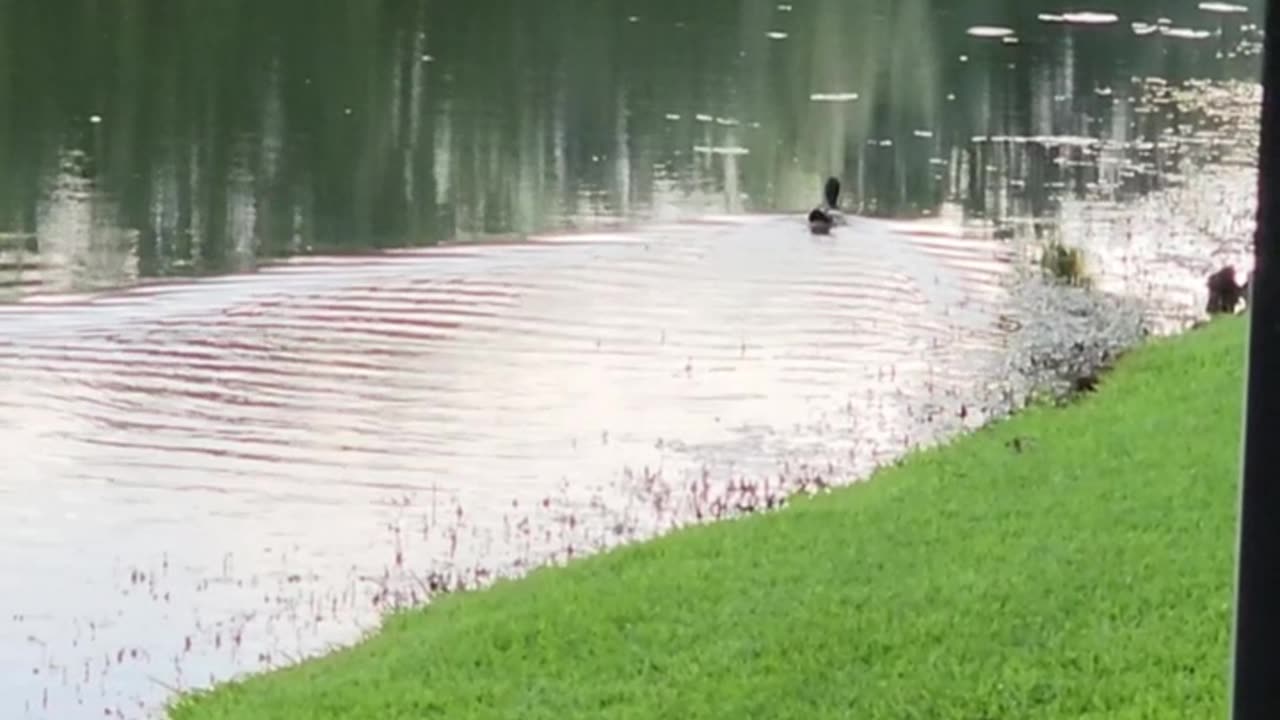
(823, 217)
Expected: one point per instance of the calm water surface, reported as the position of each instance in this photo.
(307, 306)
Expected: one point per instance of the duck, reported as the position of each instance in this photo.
(825, 216)
(1226, 292)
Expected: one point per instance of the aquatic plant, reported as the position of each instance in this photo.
(1065, 264)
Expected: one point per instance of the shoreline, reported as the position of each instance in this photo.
(331, 592)
(190, 706)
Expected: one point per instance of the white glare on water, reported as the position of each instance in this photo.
(991, 31)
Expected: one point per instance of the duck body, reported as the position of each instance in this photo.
(825, 216)
(820, 221)
(1226, 292)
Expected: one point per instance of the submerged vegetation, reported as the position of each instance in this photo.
(1068, 563)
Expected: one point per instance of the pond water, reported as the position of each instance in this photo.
(308, 311)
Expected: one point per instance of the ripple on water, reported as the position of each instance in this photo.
(504, 387)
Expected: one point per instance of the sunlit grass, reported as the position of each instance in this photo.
(1069, 563)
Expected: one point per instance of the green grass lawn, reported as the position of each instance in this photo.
(1067, 563)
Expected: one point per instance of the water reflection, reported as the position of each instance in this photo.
(223, 136)
(589, 310)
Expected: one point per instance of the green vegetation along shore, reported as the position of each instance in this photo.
(1068, 563)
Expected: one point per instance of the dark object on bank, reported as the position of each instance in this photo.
(1224, 292)
(1086, 383)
